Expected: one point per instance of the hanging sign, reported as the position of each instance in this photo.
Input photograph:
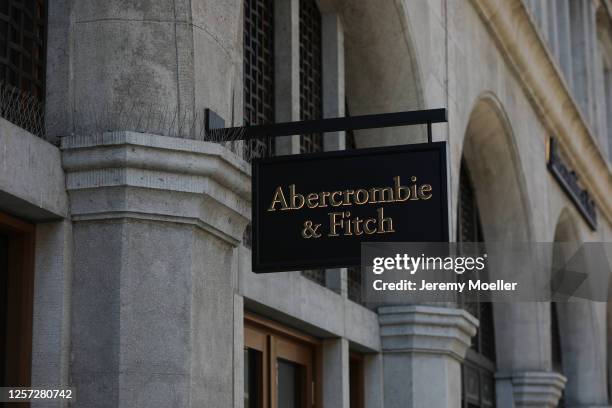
(313, 211)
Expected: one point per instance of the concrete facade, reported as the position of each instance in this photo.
(142, 280)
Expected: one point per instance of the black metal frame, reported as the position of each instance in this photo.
(323, 126)
(382, 120)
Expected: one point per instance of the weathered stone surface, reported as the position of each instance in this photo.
(32, 182)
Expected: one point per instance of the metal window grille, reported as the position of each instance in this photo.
(477, 371)
(22, 62)
(311, 92)
(258, 71)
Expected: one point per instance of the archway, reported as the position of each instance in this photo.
(381, 68)
(490, 152)
(491, 156)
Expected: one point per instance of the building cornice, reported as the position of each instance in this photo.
(511, 25)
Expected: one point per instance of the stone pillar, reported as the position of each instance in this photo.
(424, 345)
(155, 223)
(51, 318)
(373, 381)
(287, 71)
(524, 363)
(582, 329)
(151, 66)
(336, 373)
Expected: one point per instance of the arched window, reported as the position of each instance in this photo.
(477, 372)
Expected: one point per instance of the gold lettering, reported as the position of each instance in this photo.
(279, 198)
(333, 224)
(295, 197)
(413, 189)
(312, 200)
(361, 196)
(333, 201)
(425, 192)
(363, 200)
(323, 195)
(399, 189)
(366, 226)
(357, 223)
(381, 192)
(347, 194)
(382, 220)
(347, 225)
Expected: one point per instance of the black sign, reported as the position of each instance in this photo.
(314, 210)
(568, 179)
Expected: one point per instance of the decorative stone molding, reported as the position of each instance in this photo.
(510, 24)
(535, 388)
(143, 176)
(426, 329)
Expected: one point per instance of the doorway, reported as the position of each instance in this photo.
(279, 366)
(16, 295)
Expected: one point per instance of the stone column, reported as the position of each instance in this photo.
(51, 318)
(582, 329)
(373, 381)
(423, 347)
(151, 66)
(336, 373)
(155, 223)
(524, 364)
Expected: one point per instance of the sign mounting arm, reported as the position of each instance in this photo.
(382, 120)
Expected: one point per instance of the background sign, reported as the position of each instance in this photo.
(314, 210)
